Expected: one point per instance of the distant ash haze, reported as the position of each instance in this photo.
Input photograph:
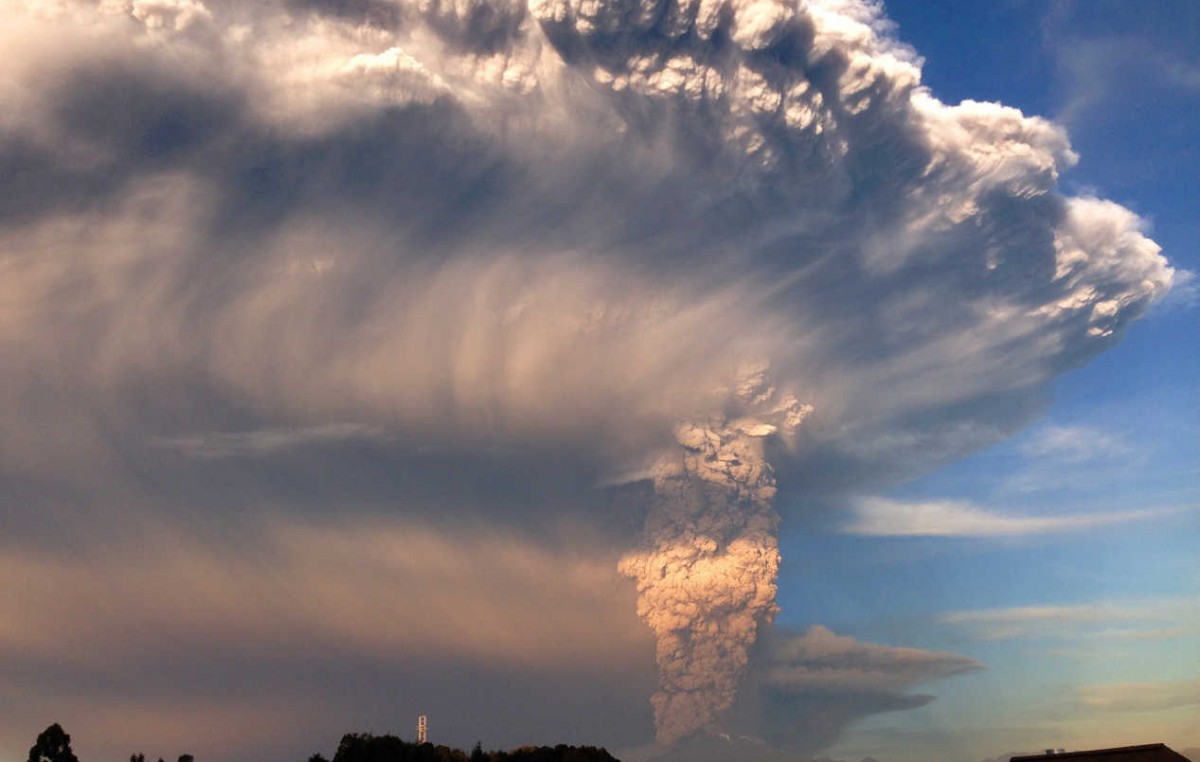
(704, 249)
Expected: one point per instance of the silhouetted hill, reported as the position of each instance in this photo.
(1192, 754)
(1006, 757)
(365, 747)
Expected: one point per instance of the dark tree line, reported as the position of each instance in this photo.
(364, 747)
(54, 745)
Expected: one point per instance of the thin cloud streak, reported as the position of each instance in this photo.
(884, 517)
(1074, 444)
(1142, 696)
(268, 441)
(1105, 620)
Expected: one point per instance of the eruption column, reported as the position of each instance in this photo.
(707, 565)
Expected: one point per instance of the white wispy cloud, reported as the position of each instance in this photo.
(1074, 444)
(1142, 696)
(1154, 619)
(1185, 291)
(1100, 72)
(884, 517)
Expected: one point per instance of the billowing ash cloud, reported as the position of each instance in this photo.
(492, 226)
(707, 566)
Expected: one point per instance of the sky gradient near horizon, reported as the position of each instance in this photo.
(510, 363)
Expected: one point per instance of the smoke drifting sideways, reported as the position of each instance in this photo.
(493, 224)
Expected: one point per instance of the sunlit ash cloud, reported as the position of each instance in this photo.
(731, 245)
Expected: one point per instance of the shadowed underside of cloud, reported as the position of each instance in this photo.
(807, 689)
(568, 238)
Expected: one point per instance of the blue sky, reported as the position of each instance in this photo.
(1120, 434)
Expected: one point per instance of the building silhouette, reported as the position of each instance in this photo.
(1152, 752)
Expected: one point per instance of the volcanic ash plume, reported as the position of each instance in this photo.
(708, 561)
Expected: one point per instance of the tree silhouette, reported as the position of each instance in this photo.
(366, 747)
(53, 745)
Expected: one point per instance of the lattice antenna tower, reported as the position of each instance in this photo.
(422, 729)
